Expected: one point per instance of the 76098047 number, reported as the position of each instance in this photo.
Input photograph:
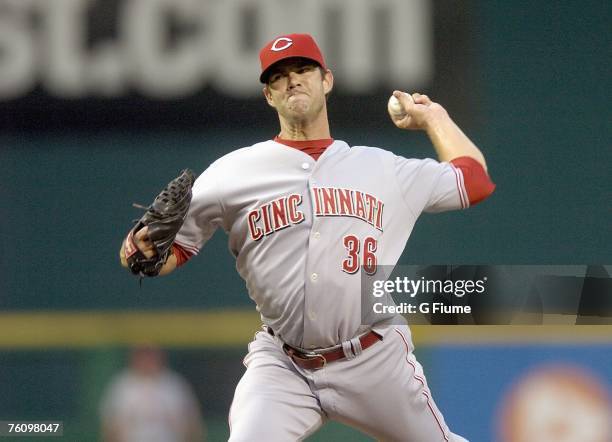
(31, 428)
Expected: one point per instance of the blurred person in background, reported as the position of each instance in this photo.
(148, 402)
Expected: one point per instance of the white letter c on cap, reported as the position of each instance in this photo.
(288, 42)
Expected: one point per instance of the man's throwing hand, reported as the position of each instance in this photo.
(418, 111)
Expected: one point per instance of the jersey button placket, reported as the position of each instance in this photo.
(313, 276)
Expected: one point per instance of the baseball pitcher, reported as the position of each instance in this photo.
(305, 216)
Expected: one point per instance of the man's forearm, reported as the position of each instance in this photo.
(449, 141)
(168, 266)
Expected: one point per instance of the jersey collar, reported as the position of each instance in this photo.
(314, 148)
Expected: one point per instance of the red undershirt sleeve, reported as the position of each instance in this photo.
(182, 255)
(477, 183)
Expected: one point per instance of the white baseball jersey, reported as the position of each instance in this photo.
(301, 229)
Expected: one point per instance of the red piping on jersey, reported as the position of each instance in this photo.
(182, 255)
(425, 391)
(314, 148)
(477, 183)
(460, 189)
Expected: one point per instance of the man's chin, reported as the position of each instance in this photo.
(299, 106)
(299, 110)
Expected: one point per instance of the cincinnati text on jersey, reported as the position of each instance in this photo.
(332, 201)
(327, 201)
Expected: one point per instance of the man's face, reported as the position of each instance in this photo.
(296, 88)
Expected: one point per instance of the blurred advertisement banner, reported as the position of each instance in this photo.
(168, 49)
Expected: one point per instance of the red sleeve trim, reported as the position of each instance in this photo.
(465, 202)
(182, 254)
(476, 182)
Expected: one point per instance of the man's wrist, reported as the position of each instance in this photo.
(436, 120)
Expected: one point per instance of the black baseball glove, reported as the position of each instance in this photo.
(163, 218)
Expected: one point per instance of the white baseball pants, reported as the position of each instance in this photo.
(382, 392)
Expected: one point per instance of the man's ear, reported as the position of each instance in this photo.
(328, 81)
(268, 95)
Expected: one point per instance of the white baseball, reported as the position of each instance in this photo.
(395, 107)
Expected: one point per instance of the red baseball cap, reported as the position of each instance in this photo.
(288, 46)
